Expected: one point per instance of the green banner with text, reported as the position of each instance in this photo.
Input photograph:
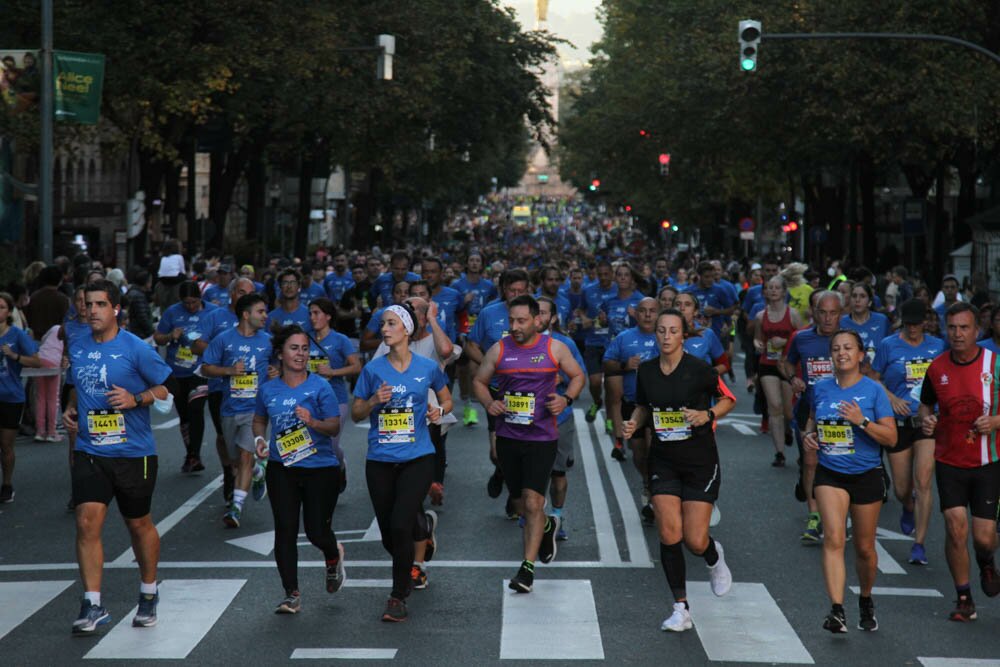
(78, 79)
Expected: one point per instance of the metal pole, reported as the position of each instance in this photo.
(882, 35)
(45, 157)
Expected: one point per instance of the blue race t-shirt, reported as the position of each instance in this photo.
(630, 343)
(491, 325)
(449, 301)
(11, 387)
(616, 310)
(279, 317)
(292, 442)
(313, 291)
(382, 287)
(843, 447)
(336, 285)
(563, 385)
(239, 392)
(875, 328)
(180, 358)
(593, 297)
(705, 345)
(902, 366)
(217, 321)
(398, 430)
(717, 297)
(96, 368)
(333, 350)
(483, 291)
(217, 296)
(989, 344)
(812, 353)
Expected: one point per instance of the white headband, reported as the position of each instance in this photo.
(403, 315)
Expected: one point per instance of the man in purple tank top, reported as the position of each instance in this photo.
(526, 366)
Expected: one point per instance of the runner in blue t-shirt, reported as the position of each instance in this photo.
(901, 361)
(872, 326)
(448, 300)
(178, 328)
(391, 393)
(597, 337)
(116, 378)
(240, 355)
(289, 308)
(399, 270)
(372, 335)
(476, 292)
(701, 342)
(303, 474)
(850, 421)
(340, 280)
(19, 351)
(715, 300)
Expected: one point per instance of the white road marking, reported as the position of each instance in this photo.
(175, 517)
(745, 430)
(261, 543)
(635, 536)
(240, 564)
(556, 621)
(886, 563)
(959, 662)
(367, 583)
(344, 654)
(884, 534)
(187, 611)
(905, 592)
(373, 534)
(607, 545)
(19, 600)
(170, 423)
(764, 635)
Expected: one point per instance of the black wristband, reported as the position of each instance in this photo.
(138, 399)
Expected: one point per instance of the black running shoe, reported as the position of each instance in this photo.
(395, 611)
(547, 549)
(618, 451)
(524, 579)
(779, 460)
(989, 578)
(648, 515)
(494, 486)
(867, 622)
(836, 622)
(800, 493)
(965, 610)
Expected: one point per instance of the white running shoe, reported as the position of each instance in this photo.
(719, 575)
(679, 621)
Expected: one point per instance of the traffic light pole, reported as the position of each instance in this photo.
(882, 35)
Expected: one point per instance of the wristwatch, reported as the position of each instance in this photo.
(864, 423)
(569, 401)
(138, 399)
(711, 416)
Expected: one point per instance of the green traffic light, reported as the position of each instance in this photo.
(674, 228)
(748, 64)
(592, 188)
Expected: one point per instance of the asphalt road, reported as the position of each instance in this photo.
(602, 600)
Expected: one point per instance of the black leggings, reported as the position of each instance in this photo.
(191, 412)
(397, 491)
(439, 440)
(215, 409)
(315, 491)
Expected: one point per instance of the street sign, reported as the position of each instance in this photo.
(746, 236)
(747, 225)
(914, 215)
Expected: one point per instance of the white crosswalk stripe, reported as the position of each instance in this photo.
(19, 600)
(556, 621)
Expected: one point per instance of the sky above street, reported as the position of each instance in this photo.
(575, 20)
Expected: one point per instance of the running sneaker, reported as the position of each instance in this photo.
(592, 412)
(547, 549)
(92, 616)
(679, 621)
(618, 451)
(39, 437)
(836, 621)
(788, 436)
(232, 517)
(524, 579)
(561, 534)
(395, 611)
(609, 426)
(917, 554)
(6, 493)
(964, 611)
(512, 514)
(55, 437)
(989, 579)
(432, 522)
(145, 615)
(811, 535)
(800, 492)
(719, 575)
(494, 485)
(336, 574)
(292, 604)
(418, 577)
(436, 492)
(867, 621)
(906, 522)
(648, 515)
(779, 460)
(469, 416)
(192, 464)
(765, 428)
(259, 486)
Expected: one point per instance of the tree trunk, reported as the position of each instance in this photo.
(172, 207)
(256, 196)
(151, 172)
(306, 166)
(225, 172)
(869, 239)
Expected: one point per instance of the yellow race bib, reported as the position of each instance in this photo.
(396, 426)
(916, 369)
(106, 427)
(185, 357)
(294, 444)
(315, 363)
(243, 386)
(520, 407)
(670, 425)
(836, 436)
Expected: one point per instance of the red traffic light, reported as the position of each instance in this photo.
(596, 183)
(665, 224)
(628, 209)
(665, 158)
(793, 226)
(643, 133)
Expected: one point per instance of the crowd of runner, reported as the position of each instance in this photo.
(863, 375)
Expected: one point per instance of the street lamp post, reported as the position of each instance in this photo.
(275, 192)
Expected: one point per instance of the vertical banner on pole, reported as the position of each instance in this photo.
(78, 78)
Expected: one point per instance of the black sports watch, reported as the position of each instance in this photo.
(569, 401)
(711, 416)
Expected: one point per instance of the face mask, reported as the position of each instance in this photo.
(831, 272)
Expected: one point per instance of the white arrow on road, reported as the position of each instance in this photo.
(263, 543)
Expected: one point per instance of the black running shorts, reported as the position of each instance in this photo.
(863, 488)
(98, 479)
(526, 464)
(975, 488)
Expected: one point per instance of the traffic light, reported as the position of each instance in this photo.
(674, 228)
(749, 41)
(793, 226)
(628, 208)
(595, 184)
(664, 164)
(665, 225)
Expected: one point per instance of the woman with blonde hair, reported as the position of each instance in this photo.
(799, 289)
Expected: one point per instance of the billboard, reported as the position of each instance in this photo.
(20, 80)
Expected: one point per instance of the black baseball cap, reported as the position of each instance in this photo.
(913, 311)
